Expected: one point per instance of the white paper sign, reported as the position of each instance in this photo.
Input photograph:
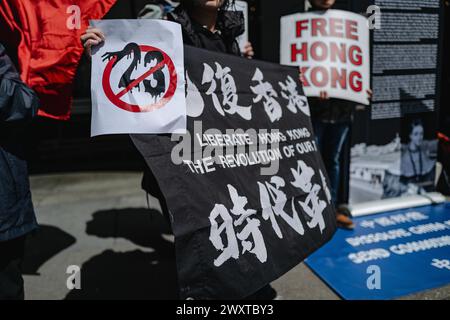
(332, 49)
(137, 82)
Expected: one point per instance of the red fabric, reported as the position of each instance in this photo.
(48, 51)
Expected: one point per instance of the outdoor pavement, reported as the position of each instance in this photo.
(104, 223)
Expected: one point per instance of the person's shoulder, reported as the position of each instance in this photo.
(232, 23)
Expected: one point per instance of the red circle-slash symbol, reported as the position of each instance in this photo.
(116, 98)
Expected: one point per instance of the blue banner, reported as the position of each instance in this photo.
(388, 255)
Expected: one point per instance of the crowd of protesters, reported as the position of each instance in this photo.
(207, 24)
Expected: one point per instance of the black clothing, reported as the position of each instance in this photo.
(331, 110)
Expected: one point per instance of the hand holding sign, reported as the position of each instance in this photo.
(92, 37)
(137, 77)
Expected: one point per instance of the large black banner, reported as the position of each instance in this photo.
(246, 188)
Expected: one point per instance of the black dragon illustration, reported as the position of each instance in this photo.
(132, 49)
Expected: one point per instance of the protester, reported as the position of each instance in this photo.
(18, 104)
(331, 120)
(205, 24)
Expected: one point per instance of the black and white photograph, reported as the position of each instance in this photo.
(225, 158)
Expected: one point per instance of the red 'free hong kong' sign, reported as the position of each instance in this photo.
(332, 50)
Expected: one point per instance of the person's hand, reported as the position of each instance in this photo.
(301, 77)
(91, 37)
(323, 95)
(369, 94)
(248, 51)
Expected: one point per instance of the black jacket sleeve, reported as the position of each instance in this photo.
(17, 101)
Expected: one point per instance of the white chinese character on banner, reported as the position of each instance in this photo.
(312, 205)
(367, 224)
(399, 218)
(264, 90)
(194, 100)
(290, 93)
(416, 216)
(232, 249)
(384, 221)
(250, 230)
(273, 201)
(228, 90)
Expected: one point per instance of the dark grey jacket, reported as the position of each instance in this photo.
(18, 104)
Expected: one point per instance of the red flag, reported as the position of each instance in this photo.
(46, 35)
